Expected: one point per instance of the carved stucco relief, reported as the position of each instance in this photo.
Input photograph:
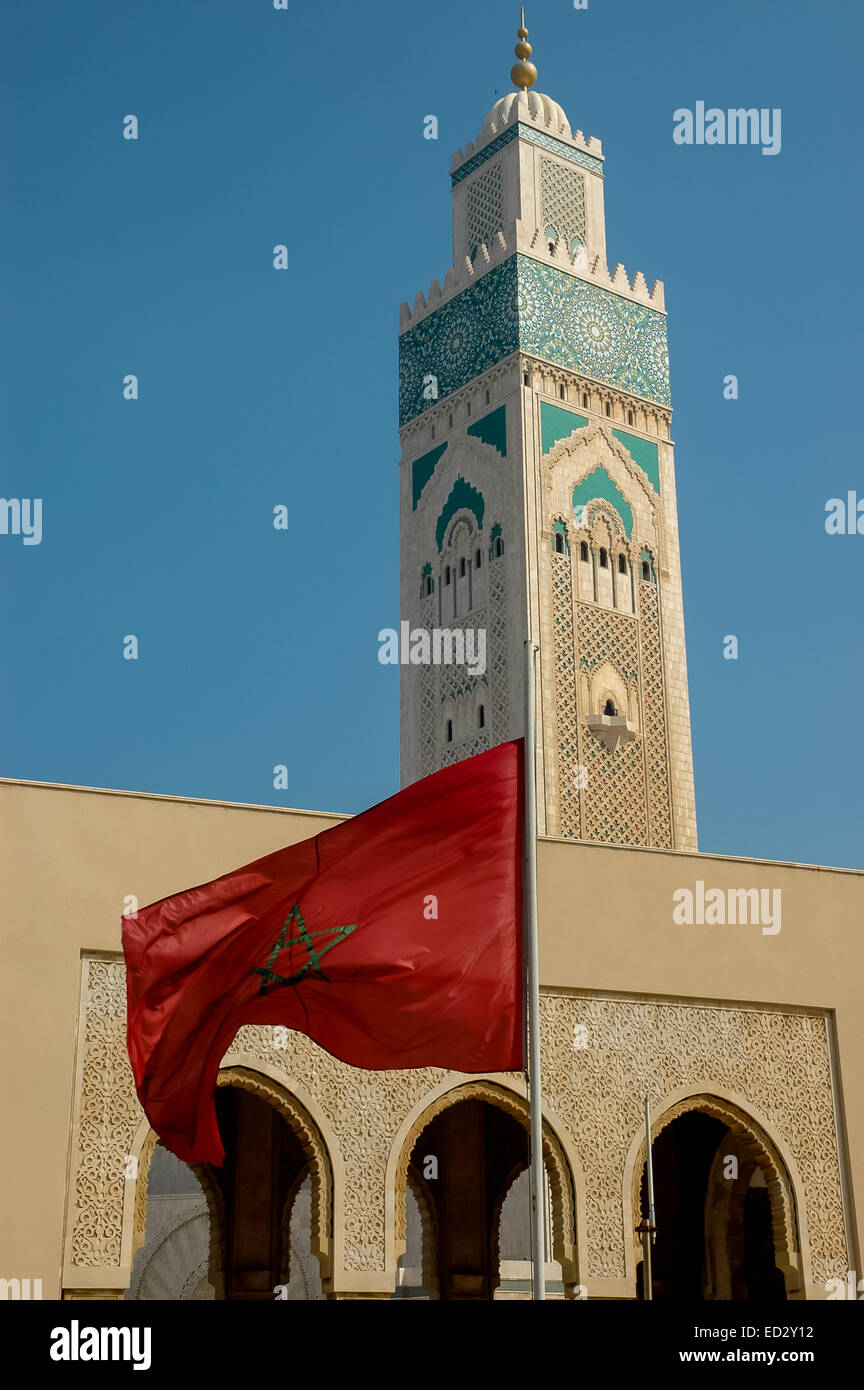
(779, 1061)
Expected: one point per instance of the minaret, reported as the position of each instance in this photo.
(537, 490)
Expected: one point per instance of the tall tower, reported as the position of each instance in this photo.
(537, 491)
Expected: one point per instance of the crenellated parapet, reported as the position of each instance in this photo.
(533, 243)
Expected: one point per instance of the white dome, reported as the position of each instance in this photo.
(525, 106)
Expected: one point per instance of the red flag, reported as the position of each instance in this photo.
(392, 939)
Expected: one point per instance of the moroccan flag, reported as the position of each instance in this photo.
(393, 940)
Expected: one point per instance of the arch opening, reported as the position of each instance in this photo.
(725, 1210)
(464, 1165)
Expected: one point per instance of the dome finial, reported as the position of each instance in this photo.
(523, 74)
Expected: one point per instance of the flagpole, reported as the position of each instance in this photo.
(648, 1226)
(536, 1183)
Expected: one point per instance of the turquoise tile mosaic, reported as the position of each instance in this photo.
(523, 131)
(557, 423)
(644, 453)
(457, 342)
(597, 483)
(462, 495)
(422, 470)
(492, 429)
(546, 312)
(592, 330)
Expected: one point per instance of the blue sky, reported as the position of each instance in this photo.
(257, 127)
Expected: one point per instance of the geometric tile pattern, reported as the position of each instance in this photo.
(656, 752)
(534, 137)
(563, 201)
(626, 798)
(614, 801)
(498, 665)
(485, 208)
(466, 336)
(608, 636)
(566, 720)
(593, 331)
(546, 312)
(428, 697)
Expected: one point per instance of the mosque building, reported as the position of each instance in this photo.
(537, 501)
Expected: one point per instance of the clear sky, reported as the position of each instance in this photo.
(258, 388)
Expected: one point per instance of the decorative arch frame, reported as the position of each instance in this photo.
(760, 1149)
(309, 1131)
(428, 1226)
(561, 1164)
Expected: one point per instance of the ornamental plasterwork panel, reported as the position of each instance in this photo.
(779, 1061)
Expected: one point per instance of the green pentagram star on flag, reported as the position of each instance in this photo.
(306, 939)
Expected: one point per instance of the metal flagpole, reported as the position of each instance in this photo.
(536, 1184)
(648, 1227)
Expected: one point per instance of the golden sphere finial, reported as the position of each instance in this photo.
(523, 74)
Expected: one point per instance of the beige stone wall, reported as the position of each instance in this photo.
(766, 1025)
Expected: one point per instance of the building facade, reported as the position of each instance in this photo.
(537, 501)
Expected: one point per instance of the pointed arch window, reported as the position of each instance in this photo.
(448, 731)
(610, 709)
(481, 717)
(604, 558)
(583, 551)
(622, 564)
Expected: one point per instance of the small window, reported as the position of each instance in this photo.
(447, 575)
(448, 731)
(526, 380)
(559, 543)
(562, 392)
(450, 419)
(478, 559)
(498, 548)
(604, 559)
(583, 550)
(622, 564)
(585, 400)
(610, 709)
(468, 411)
(481, 717)
(487, 397)
(608, 408)
(433, 431)
(427, 586)
(462, 568)
(629, 417)
(646, 571)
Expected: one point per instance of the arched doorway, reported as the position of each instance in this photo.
(725, 1213)
(256, 1229)
(462, 1174)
